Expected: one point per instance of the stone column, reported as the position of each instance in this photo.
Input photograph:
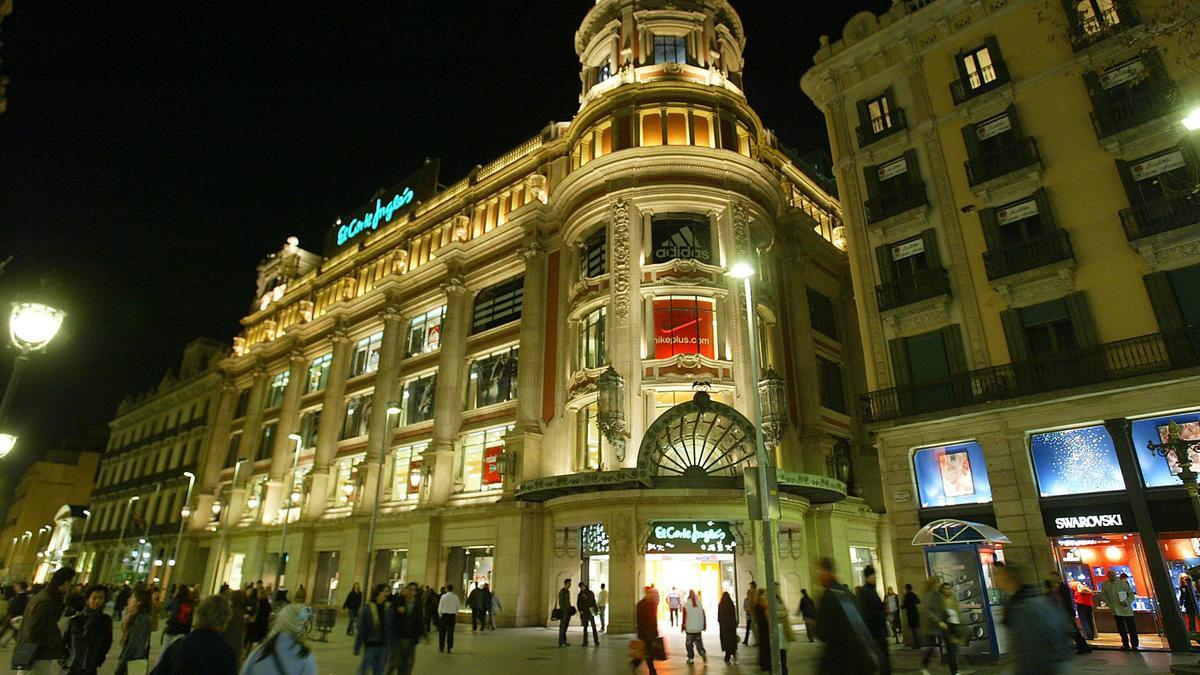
(248, 447)
(386, 384)
(447, 416)
(333, 406)
(213, 464)
(626, 562)
(524, 443)
(282, 454)
(627, 327)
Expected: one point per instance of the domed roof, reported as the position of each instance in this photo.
(610, 10)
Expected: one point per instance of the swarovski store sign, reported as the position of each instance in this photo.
(1091, 518)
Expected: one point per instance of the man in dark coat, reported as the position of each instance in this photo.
(848, 646)
(564, 611)
(40, 625)
(90, 634)
(647, 628)
(204, 650)
(475, 602)
(875, 615)
(912, 615)
(409, 622)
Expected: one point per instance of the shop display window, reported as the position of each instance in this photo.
(684, 325)
(479, 463)
(952, 475)
(1156, 470)
(1087, 560)
(1075, 461)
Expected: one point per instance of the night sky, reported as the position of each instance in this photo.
(154, 152)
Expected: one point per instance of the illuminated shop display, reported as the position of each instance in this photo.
(684, 325)
(1159, 472)
(1075, 461)
(951, 475)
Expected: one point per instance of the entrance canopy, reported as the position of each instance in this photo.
(952, 531)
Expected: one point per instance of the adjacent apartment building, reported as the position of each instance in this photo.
(1020, 197)
(541, 371)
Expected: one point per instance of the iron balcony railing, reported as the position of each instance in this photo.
(963, 90)
(1144, 355)
(1028, 255)
(1115, 114)
(1161, 215)
(894, 120)
(928, 283)
(1001, 161)
(1089, 29)
(895, 202)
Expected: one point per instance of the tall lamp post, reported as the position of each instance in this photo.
(87, 521)
(744, 271)
(31, 326)
(183, 515)
(393, 408)
(1181, 450)
(287, 511)
(220, 567)
(124, 525)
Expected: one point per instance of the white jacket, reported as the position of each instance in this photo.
(693, 618)
(448, 604)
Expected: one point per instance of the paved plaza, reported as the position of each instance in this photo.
(532, 651)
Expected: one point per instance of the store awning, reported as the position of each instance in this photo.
(952, 531)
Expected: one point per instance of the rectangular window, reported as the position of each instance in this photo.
(1020, 221)
(593, 259)
(952, 475)
(591, 339)
(587, 438)
(318, 374)
(231, 452)
(1075, 461)
(927, 358)
(1048, 328)
(425, 332)
(1161, 175)
(418, 399)
(833, 394)
(822, 314)
(266, 443)
(604, 72)
(684, 325)
(498, 305)
(979, 67)
(358, 417)
(670, 49)
(406, 471)
(908, 258)
(345, 484)
(479, 464)
(366, 355)
(681, 236)
(879, 114)
(493, 379)
(310, 421)
(243, 402)
(275, 389)
(1096, 16)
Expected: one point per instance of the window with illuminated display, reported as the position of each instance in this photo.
(681, 236)
(479, 462)
(366, 355)
(1075, 461)
(358, 417)
(425, 332)
(318, 374)
(406, 471)
(276, 388)
(418, 399)
(587, 438)
(1156, 470)
(684, 325)
(952, 475)
(493, 378)
(591, 340)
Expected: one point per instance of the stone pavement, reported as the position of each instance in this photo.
(532, 651)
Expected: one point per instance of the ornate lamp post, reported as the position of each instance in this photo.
(610, 402)
(1181, 450)
(31, 326)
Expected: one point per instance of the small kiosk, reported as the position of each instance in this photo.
(964, 554)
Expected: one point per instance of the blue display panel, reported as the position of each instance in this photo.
(951, 475)
(1157, 471)
(1075, 461)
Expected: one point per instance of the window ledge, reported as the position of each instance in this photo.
(1145, 138)
(885, 148)
(1171, 249)
(1038, 285)
(582, 382)
(686, 368)
(918, 317)
(1010, 186)
(902, 225)
(587, 289)
(987, 104)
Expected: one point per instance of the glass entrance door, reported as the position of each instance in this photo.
(707, 574)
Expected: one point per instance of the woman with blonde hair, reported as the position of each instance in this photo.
(284, 651)
(136, 627)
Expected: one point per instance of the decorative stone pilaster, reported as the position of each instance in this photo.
(627, 323)
(332, 408)
(251, 436)
(523, 445)
(386, 383)
(282, 454)
(447, 417)
(218, 447)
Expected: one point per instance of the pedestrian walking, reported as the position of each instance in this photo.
(912, 614)
(602, 608)
(1036, 629)
(693, 625)
(301, 595)
(284, 651)
(447, 609)
(1063, 598)
(727, 621)
(352, 604)
(235, 628)
(136, 627)
(258, 620)
(648, 646)
(475, 603)
(808, 612)
(39, 635)
(674, 604)
(748, 609)
(585, 602)
(875, 615)
(1118, 595)
(16, 612)
(89, 634)
(409, 623)
(942, 621)
(179, 617)
(1085, 601)
(203, 650)
(848, 646)
(564, 611)
(121, 601)
(494, 607)
(1187, 602)
(892, 602)
(375, 632)
(430, 598)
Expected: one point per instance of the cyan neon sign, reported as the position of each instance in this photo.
(372, 220)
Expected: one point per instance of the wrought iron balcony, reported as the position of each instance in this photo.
(895, 202)
(1028, 255)
(1088, 30)
(928, 283)
(1143, 355)
(965, 90)
(1161, 215)
(867, 134)
(1003, 160)
(1113, 115)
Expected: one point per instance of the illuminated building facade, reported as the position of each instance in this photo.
(540, 371)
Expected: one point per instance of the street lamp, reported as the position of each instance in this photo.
(183, 513)
(31, 326)
(7, 441)
(87, 521)
(125, 522)
(1181, 450)
(287, 511)
(1192, 121)
(216, 509)
(393, 408)
(610, 409)
(743, 270)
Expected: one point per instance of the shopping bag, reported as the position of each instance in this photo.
(660, 650)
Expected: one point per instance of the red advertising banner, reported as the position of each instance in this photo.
(683, 326)
(491, 464)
